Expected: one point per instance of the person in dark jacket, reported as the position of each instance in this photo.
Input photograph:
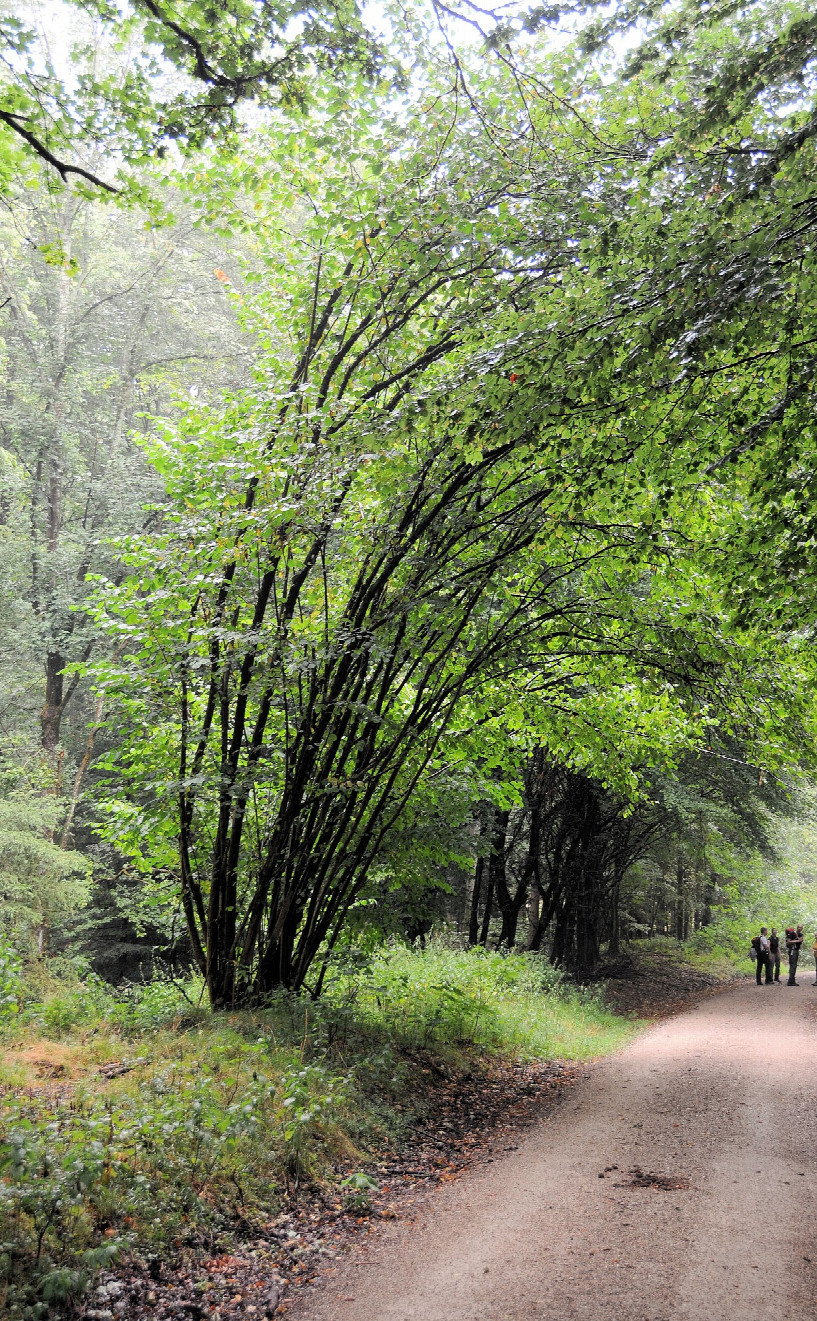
(794, 941)
(774, 953)
(760, 944)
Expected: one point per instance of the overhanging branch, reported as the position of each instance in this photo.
(14, 122)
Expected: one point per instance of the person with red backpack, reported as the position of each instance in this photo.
(762, 956)
(794, 940)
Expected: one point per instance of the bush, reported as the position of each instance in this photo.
(497, 1000)
(309, 1098)
(159, 1003)
(11, 980)
(357, 1192)
(59, 1016)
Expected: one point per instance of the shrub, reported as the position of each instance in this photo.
(497, 1000)
(11, 981)
(357, 1192)
(59, 1016)
(157, 1004)
(310, 1097)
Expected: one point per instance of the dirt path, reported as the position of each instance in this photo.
(719, 1102)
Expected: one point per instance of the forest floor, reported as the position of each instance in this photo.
(677, 1178)
(657, 979)
(474, 1118)
(470, 1119)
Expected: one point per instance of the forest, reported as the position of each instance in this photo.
(407, 499)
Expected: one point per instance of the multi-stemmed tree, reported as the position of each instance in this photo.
(407, 521)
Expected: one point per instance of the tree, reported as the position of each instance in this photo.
(363, 537)
(596, 865)
(717, 818)
(123, 109)
(41, 884)
(715, 115)
(483, 455)
(363, 556)
(98, 321)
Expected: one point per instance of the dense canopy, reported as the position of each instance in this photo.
(397, 423)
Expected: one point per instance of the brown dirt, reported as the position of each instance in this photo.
(709, 1116)
(650, 985)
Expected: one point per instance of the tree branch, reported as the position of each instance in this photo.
(62, 167)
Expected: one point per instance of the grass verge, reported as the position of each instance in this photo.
(141, 1123)
(656, 977)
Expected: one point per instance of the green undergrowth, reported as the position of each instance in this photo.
(139, 1122)
(513, 1003)
(703, 952)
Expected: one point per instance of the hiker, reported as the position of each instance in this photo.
(760, 945)
(794, 940)
(774, 954)
(814, 952)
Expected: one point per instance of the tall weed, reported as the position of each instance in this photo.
(495, 1000)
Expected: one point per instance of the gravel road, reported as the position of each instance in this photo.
(719, 1103)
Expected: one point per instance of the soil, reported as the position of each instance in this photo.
(677, 1180)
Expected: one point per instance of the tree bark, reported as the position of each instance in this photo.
(679, 897)
(476, 895)
(53, 706)
(487, 911)
(497, 869)
(615, 925)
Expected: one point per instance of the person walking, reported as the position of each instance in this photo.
(794, 941)
(774, 954)
(760, 944)
(814, 952)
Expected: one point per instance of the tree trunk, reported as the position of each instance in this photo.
(80, 773)
(53, 706)
(497, 874)
(679, 898)
(486, 915)
(476, 895)
(615, 925)
(533, 938)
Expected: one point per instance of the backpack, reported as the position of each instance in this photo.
(754, 950)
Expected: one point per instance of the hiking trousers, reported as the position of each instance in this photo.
(794, 955)
(763, 961)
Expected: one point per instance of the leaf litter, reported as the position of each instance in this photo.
(470, 1117)
(647, 1179)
